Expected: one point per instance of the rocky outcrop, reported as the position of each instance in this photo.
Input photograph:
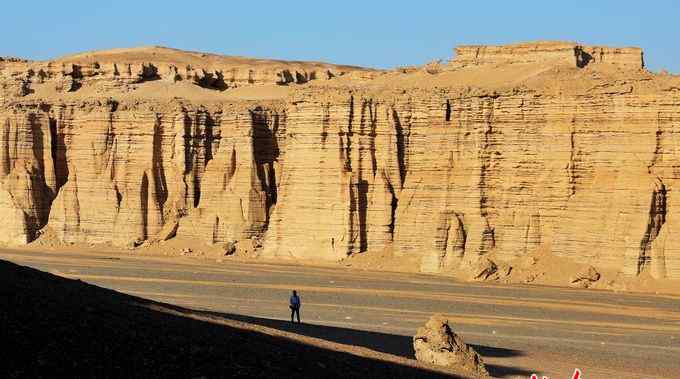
(577, 161)
(585, 277)
(436, 343)
(629, 57)
(28, 181)
(567, 53)
(127, 67)
(563, 52)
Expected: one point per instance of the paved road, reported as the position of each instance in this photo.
(518, 329)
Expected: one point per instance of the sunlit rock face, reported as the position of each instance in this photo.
(506, 151)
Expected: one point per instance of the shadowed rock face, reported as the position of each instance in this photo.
(576, 159)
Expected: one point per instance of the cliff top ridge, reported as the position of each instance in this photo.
(571, 53)
(162, 73)
(167, 55)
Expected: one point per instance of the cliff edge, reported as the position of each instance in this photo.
(500, 155)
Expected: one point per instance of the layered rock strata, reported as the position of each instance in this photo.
(568, 53)
(127, 67)
(576, 159)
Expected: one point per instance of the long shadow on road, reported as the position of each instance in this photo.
(383, 342)
(56, 327)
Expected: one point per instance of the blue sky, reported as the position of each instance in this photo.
(370, 33)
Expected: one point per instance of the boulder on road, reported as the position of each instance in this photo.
(436, 343)
(585, 278)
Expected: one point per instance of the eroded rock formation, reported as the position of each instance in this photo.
(436, 343)
(568, 53)
(504, 151)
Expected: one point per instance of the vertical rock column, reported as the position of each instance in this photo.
(441, 215)
(312, 214)
(239, 183)
(27, 175)
(659, 253)
(113, 160)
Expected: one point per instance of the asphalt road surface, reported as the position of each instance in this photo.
(519, 330)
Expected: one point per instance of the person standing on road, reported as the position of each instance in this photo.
(295, 306)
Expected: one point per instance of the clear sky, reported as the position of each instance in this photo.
(374, 33)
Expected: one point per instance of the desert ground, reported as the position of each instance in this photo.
(518, 329)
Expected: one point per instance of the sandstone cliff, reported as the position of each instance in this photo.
(506, 151)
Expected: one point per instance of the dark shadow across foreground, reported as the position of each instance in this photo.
(56, 327)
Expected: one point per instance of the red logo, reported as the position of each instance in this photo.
(577, 375)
